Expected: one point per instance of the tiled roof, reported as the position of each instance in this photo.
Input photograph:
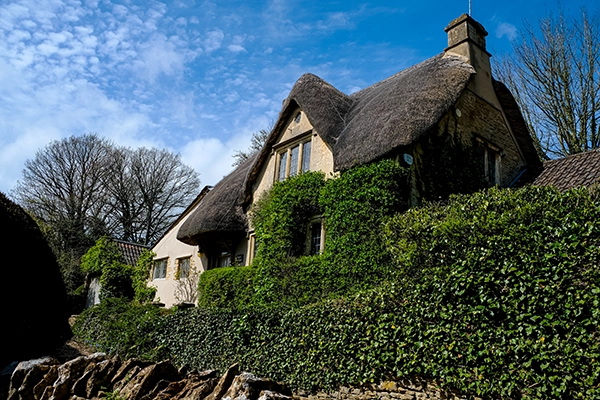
(581, 169)
(131, 251)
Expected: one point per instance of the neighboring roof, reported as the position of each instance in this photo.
(582, 169)
(220, 210)
(185, 212)
(131, 251)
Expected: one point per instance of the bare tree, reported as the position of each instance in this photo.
(165, 186)
(186, 287)
(554, 75)
(62, 186)
(259, 138)
(83, 187)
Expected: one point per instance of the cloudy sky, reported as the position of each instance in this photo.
(198, 77)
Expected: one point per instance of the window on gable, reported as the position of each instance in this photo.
(160, 269)
(294, 159)
(491, 157)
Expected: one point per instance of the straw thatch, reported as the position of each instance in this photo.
(220, 210)
(375, 121)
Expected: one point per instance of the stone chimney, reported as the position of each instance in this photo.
(466, 37)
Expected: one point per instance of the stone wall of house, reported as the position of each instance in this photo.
(449, 159)
(478, 117)
(321, 157)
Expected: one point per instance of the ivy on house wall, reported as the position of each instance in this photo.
(352, 206)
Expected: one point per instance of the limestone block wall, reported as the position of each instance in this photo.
(388, 390)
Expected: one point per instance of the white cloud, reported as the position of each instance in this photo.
(213, 40)
(506, 29)
(236, 48)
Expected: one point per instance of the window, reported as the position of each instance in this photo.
(294, 159)
(184, 267)
(491, 157)
(315, 236)
(305, 157)
(294, 152)
(160, 269)
(253, 248)
(224, 259)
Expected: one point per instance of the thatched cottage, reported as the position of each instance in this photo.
(446, 118)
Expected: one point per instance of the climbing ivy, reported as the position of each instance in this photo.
(494, 294)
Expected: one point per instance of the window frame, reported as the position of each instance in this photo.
(158, 261)
(180, 274)
(309, 235)
(491, 150)
(284, 151)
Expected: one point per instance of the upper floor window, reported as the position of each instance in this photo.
(294, 160)
(492, 162)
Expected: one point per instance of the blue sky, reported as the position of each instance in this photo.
(198, 77)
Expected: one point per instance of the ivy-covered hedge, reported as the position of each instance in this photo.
(496, 294)
(117, 326)
(228, 287)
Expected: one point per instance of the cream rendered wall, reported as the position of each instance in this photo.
(172, 249)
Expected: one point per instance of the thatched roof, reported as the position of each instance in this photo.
(373, 122)
(220, 210)
(399, 110)
(582, 169)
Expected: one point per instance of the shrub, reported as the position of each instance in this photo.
(140, 276)
(116, 326)
(229, 287)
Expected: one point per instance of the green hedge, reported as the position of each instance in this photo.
(496, 294)
(117, 326)
(228, 287)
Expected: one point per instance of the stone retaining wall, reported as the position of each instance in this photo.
(387, 390)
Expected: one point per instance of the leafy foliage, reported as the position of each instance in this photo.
(106, 259)
(140, 276)
(494, 294)
(104, 253)
(352, 206)
(227, 287)
(117, 326)
(280, 219)
(356, 204)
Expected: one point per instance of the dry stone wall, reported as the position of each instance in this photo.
(97, 376)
